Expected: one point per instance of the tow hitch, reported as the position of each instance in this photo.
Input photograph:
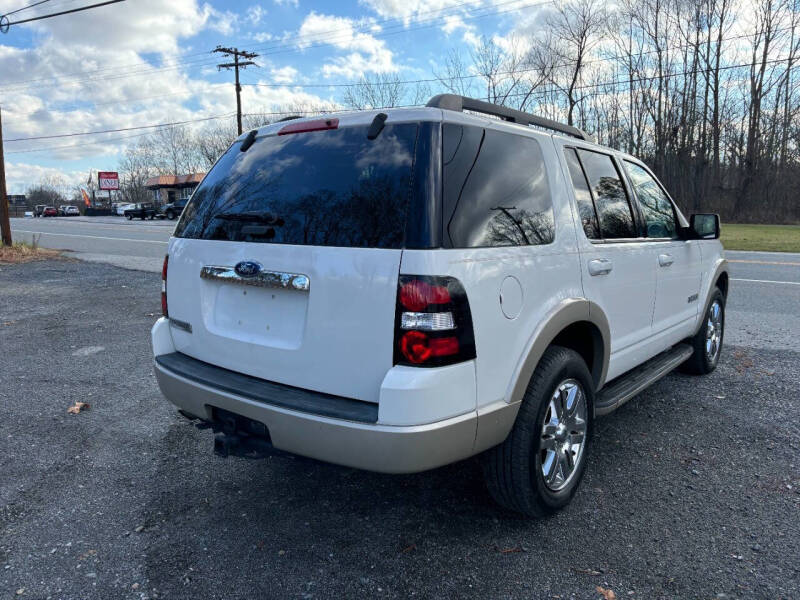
(235, 435)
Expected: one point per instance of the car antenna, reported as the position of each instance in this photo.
(249, 140)
(377, 126)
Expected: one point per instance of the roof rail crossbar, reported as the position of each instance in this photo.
(462, 103)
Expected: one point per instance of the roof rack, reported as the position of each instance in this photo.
(462, 103)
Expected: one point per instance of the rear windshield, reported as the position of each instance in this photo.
(324, 188)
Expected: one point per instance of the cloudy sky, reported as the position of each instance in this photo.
(143, 62)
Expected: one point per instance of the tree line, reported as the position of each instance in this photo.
(704, 91)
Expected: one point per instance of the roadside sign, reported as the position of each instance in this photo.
(109, 180)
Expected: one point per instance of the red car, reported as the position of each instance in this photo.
(50, 211)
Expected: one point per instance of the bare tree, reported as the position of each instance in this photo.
(573, 31)
(382, 90)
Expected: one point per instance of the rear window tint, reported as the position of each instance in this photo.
(325, 188)
(495, 189)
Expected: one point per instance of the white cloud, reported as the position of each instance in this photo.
(286, 3)
(285, 74)
(413, 10)
(367, 54)
(222, 22)
(255, 13)
(263, 37)
(22, 175)
(97, 73)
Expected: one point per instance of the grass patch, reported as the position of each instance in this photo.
(767, 238)
(22, 252)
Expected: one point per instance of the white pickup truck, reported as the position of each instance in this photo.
(399, 290)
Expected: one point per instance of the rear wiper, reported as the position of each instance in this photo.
(251, 217)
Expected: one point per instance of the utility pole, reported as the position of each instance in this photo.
(5, 224)
(236, 65)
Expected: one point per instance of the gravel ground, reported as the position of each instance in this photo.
(691, 491)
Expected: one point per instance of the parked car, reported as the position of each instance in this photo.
(174, 209)
(445, 284)
(38, 210)
(140, 211)
(49, 211)
(71, 211)
(120, 209)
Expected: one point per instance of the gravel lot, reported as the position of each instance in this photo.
(692, 489)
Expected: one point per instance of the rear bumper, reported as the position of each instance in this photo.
(382, 448)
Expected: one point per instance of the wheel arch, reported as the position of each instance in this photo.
(569, 323)
(722, 283)
(576, 323)
(720, 279)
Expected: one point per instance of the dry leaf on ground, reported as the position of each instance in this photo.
(607, 594)
(78, 407)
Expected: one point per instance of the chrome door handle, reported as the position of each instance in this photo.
(600, 266)
(665, 260)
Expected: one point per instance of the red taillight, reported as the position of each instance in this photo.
(433, 324)
(306, 126)
(418, 347)
(164, 310)
(416, 295)
(414, 346)
(446, 346)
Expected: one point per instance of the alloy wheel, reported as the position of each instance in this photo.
(563, 437)
(714, 332)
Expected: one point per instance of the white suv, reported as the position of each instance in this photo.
(399, 290)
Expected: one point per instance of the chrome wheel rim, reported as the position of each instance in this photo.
(714, 332)
(563, 436)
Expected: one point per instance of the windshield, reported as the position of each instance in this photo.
(324, 188)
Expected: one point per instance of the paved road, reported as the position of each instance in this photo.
(765, 299)
(137, 245)
(691, 491)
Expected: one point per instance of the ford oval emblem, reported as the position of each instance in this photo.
(248, 268)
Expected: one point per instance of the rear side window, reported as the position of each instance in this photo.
(657, 210)
(495, 189)
(582, 195)
(324, 188)
(610, 198)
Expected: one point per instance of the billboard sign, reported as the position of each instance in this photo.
(109, 180)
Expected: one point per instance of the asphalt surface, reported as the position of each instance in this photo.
(133, 244)
(691, 490)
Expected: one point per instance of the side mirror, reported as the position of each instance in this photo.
(704, 226)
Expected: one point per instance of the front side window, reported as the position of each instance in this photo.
(613, 209)
(495, 189)
(659, 216)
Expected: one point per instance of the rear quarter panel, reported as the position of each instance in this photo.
(548, 274)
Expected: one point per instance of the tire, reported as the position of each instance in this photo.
(514, 470)
(130, 217)
(170, 215)
(707, 342)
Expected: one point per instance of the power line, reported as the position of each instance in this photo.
(477, 75)
(286, 41)
(534, 93)
(66, 135)
(313, 40)
(63, 12)
(13, 12)
(82, 144)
